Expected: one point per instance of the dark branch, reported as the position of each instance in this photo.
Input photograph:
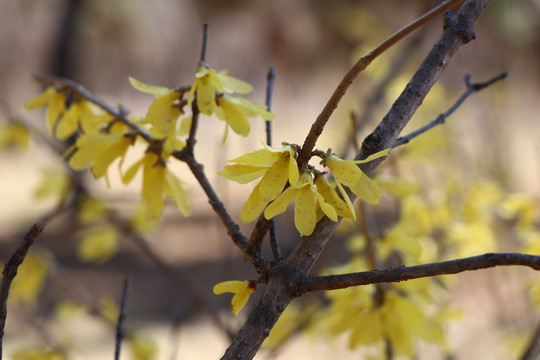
(317, 283)
(10, 271)
(118, 114)
(471, 88)
(250, 253)
(205, 42)
(274, 243)
(120, 326)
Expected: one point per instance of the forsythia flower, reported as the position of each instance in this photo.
(307, 200)
(163, 115)
(275, 165)
(157, 180)
(207, 82)
(63, 119)
(99, 150)
(241, 289)
(235, 111)
(349, 174)
(211, 91)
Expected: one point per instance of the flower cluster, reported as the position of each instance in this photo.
(211, 91)
(313, 194)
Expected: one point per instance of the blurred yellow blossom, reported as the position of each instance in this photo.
(13, 134)
(157, 181)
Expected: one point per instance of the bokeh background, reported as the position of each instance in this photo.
(99, 43)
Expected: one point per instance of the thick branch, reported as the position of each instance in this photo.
(459, 29)
(10, 271)
(403, 273)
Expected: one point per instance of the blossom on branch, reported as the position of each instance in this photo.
(307, 201)
(210, 90)
(242, 290)
(275, 165)
(157, 181)
(349, 174)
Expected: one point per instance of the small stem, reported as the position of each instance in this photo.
(274, 243)
(120, 327)
(205, 42)
(269, 87)
(471, 88)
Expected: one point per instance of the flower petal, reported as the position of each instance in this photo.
(149, 89)
(274, 181)
(253, 206)
(173, 188)
(305, 216)
(243, 174)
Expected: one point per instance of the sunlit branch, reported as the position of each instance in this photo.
(318, 283)
(471, 88)
(319, 124)
(10, 271)
(120, 326)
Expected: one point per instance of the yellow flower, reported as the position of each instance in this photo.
(241, 289)
(63, 121)
(99, 150)
(55, 102)
(307, 200)
(344, 208)
(235, 111)
(208, 82)
(98, 244)
(275, 165)
(157, 181)
(349, 174)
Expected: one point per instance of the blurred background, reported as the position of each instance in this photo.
(494, 136)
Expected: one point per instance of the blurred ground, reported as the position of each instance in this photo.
(100, 43)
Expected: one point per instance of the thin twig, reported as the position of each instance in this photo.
(269, 87)
(362, 63)
(274, 242)
(10, 271)
(118, 114)
(205, 42)
(471, 88)
(318, 283)
(120, 327)
(260, 264)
